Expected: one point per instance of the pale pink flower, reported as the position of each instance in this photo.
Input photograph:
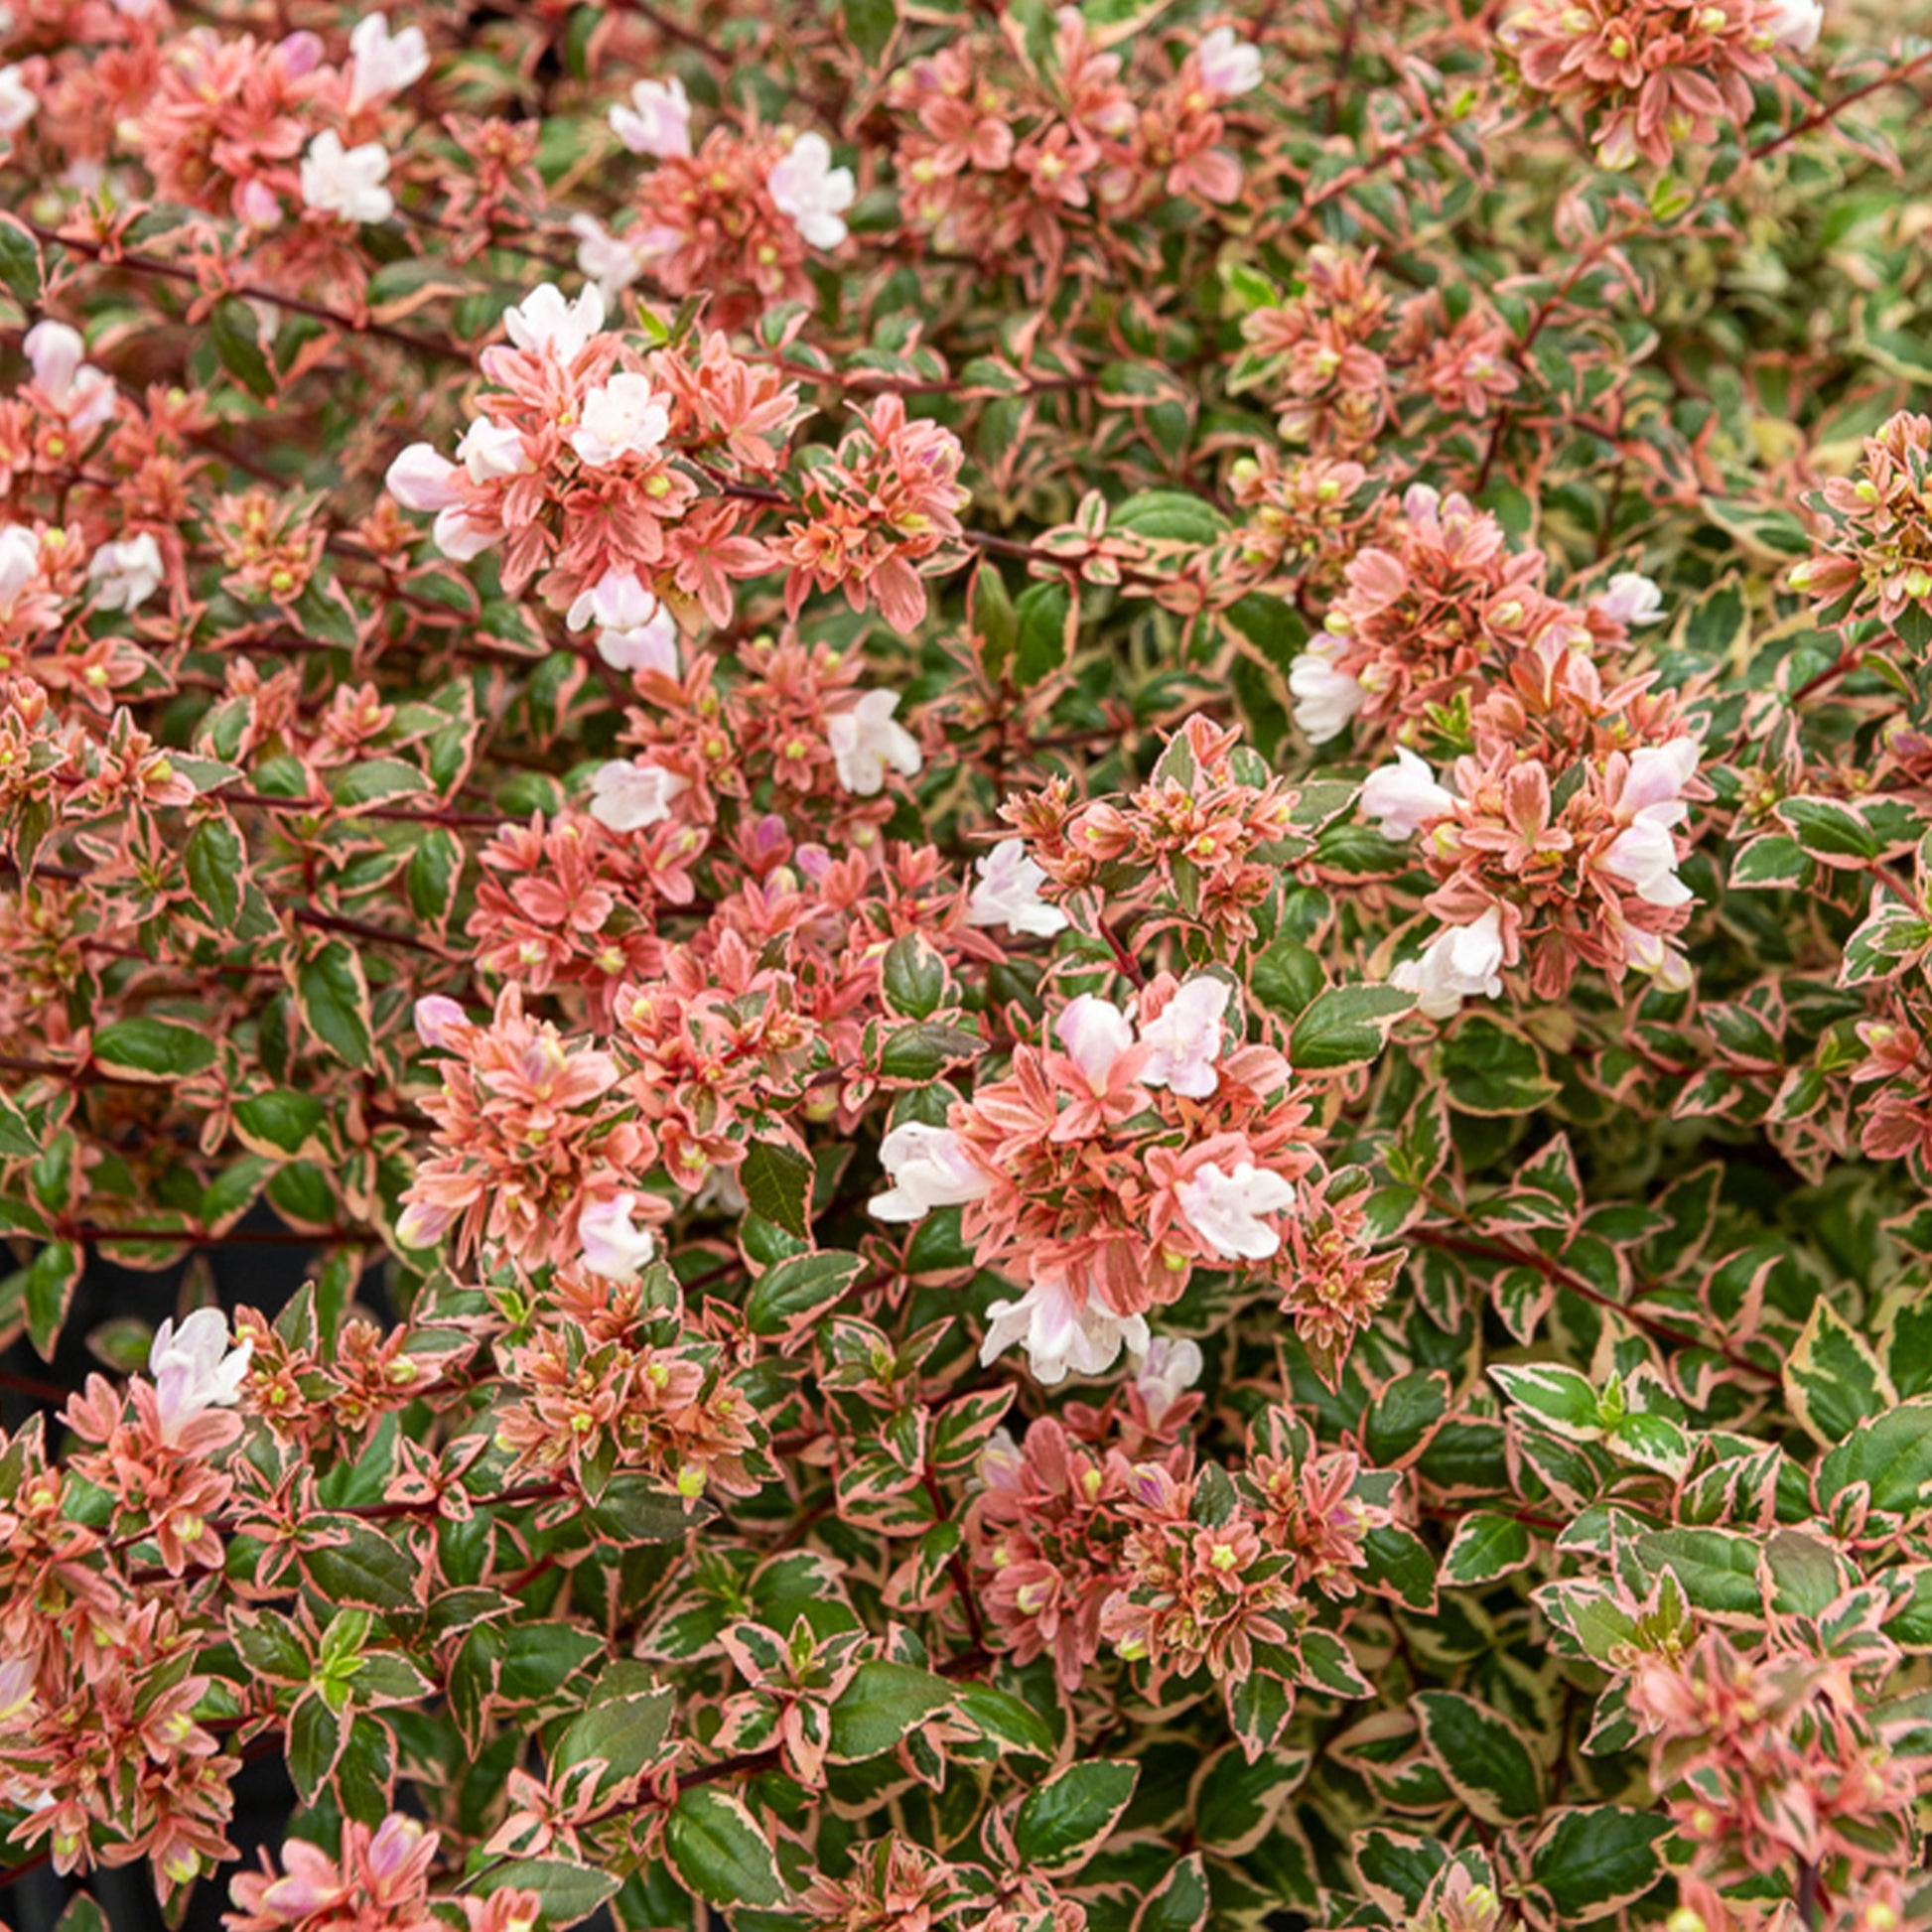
(650, 646)
(1187, 1039)
(1326, 699)
(1228, 65)
(625, 417)
(617, 600)
(347, 183)
(194, 1369)
(491, 451)
(611, 1245)
(421, 480)
(1797, 25)
(929, 1169)
(1058, 1333)
(126, 573)
(1461, 962)
(866, 739)
(814, 194)
(20, 564)
(544, 320)
(383, 63)
(627, 797)
(612, 261)
(1644, 855)
(1631, 599)
(1095, 1033)
(18, 102)
(657, 121)
(1008, 893)
(435, 1015)
(1167, 1371)
(1403, 794)
(1225, 1208)
(83, 394)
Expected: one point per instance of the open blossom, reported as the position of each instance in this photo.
(612, 1246)
(612, 261)
(381, 1882)
(1061, 1334)
(1167, 1371)
(1645, 854)
(1404, 794)
(1185, 1039)
(347, 183)
(1008, 893)
(1631, 599)
(658, 122)
(383, 63)
(625, 417)
(1225, 1208)
(194, 1369)
(81, 394)
(543, 322)
(18, 103)
(1097, 1035)
(814, 194)
(617, 600)
(865, 738)
(1228, 65)
(627, 795)
(1326, 697)
(126, 573)
(1461, 962)
(929, 1169)
(646, 645)
(1796, 23)
(20, 564)
(489, 451)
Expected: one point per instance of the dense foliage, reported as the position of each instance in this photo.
(1076, 870)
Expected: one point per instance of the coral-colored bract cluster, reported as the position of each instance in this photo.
(1051, 886)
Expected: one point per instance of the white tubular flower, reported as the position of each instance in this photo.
(194, 1369)
(1654, 785)
(929, 1169)
(627, 797)
(18, 102)
(1228, 65)
(1008, 893)
(1633, 598)
(83, 394)
(810, 193)
(611, 1245)
(610, 260)
(625, 417)
(1169, 1368)
(490, 451)
(1094, 1034)
(1461, 962)
(20, 564)
(658, 120)
(1644, 855)
(650, 646)
(1403, 794)
(866, 739)
(1058, 1335)
(1225, 1209)
(346, 182)
(421, 480)
(617, 600)
(383, 63)
(126, 573)
(1797, 25)
(543, 320)
(1326, 699)
(1187, 1038)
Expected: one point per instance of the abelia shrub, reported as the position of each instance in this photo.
(1063, 880)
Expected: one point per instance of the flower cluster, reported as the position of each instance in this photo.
(1875, 560)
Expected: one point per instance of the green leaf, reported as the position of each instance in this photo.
(569, 1893)
(1716, 1568)
(1893, 1454)
(335, 1001)
(1345, 1026)
(147, 1049)
(1044, 637)
(1062, 1823)
(1481, 1754)
(1005, 1718)
(1832, 1379)
(363, 1571)
(51, 1276)
(1595, 1859)
(435, 868)
(718, 1853)
(1167, 516)
(870, 26)
(20, 262)
(1491, 1070)
(883, 1704)
(627, 1731)
(280, 1121)
(236, 337)
(213, 861)
(797, 1290)
(777, 1183)
(1179, 1903)
(1487, 1545)
(1565, 1401)
(375, 781)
